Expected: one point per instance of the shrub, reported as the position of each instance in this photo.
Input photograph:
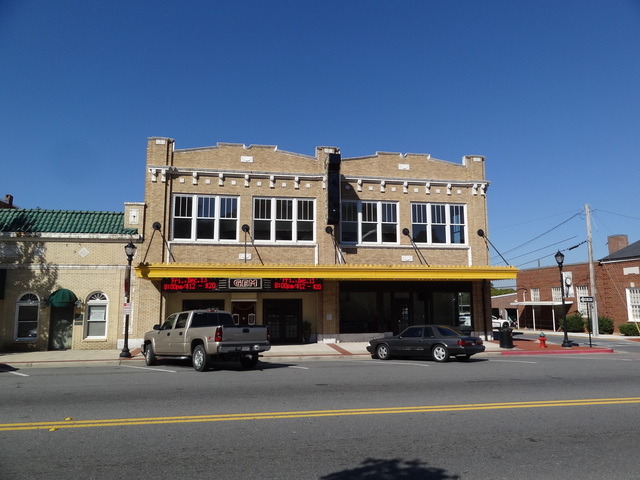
(575, 323)
(605, 325)
(629, 329)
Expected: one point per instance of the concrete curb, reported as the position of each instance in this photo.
(567, 351)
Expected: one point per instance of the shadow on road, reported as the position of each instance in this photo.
(7, 368)
(221, 365)
(394, 469)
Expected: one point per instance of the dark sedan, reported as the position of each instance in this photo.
(437, 341)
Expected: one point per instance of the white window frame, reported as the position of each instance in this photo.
(27, 300)
(382, 216)
(99, 302)
(556, 294)
(535, 294)
(424, 221)
(633, 304)
(217, 216)
(299, 212)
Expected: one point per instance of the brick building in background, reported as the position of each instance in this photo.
(617, 280)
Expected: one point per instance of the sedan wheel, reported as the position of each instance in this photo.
(382, 351)
(440, 353)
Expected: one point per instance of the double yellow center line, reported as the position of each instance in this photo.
(71, 423)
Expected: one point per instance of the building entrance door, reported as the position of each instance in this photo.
(61, 328)
(284, 319)
(243, 313)
(402, 318)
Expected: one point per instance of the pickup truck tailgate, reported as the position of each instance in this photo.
(244, 339)
(244, 334)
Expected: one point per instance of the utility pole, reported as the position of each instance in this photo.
(592, 278)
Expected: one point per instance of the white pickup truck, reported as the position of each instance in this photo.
(205, 335)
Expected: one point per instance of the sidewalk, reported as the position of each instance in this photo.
(60, 358)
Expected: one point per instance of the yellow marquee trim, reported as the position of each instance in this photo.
(156, 271)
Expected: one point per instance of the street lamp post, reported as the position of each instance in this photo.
(130, 251)
(560, 260)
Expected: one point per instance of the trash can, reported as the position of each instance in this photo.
(506, 339)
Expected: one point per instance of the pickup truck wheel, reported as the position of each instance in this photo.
(149, 355)
(200, 359)
(249, 361)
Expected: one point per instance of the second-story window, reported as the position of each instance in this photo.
(205, 217)
(284, 219)
(369, 222)
(438, 223)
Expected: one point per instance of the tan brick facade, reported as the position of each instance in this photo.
(247, 173)
(42, 264)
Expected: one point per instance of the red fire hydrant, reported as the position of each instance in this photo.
(543, 340)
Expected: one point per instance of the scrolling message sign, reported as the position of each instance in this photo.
(303, 284)
(190, 285)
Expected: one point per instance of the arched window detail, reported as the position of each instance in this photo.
(27, 317)
(96, 311)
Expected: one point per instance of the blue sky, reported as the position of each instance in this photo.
(547, 90)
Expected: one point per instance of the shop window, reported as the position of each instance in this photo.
(438, 223)
(204, 218)
(369, 222)
(284, 219)
(96, 324)
(27, 317)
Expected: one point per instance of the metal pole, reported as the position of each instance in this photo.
(127, 287)
(565, 343)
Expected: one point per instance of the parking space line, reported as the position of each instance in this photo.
(150, 368)
(394, 363)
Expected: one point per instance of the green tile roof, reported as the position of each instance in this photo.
(63, 221)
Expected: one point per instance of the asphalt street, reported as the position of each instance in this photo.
(568, 416)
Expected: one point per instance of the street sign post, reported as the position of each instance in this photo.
(588, 301)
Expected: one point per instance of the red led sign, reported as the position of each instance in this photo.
(190, 284)
(296, 284)
(196, 285)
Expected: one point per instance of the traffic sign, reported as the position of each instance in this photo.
(586, 299)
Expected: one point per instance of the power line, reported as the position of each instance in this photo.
(543, 234)
(543, 248)
(617, 214)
